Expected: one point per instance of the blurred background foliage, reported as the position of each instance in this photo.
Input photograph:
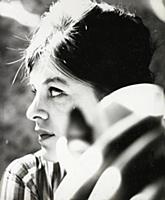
(17, 21)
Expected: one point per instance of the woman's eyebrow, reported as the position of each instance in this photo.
(56, 80)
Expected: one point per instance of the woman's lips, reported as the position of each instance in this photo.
(44, 134)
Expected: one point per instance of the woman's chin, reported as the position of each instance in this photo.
(49, 154)
(58, 150)
(48, 148)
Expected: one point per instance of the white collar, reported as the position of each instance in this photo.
(143, 99)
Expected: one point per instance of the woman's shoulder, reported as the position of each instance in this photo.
(22, 166)
(19, 178)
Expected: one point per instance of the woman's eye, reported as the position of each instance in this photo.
(55, 92)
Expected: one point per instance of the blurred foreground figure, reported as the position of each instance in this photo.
(81, 52)
(158, 6)
(127, 159)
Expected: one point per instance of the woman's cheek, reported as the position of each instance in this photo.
(63, 104)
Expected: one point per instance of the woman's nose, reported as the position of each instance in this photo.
(36, 111)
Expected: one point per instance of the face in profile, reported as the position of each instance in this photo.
(55, 95)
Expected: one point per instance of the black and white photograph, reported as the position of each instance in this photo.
(82, 99)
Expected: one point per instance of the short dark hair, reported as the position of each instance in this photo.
(106, 47)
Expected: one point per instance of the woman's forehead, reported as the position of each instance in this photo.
(45, 72)
(44, 69)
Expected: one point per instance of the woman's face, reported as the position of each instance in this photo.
(55, 96)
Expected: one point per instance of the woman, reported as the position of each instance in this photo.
(80, 52)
